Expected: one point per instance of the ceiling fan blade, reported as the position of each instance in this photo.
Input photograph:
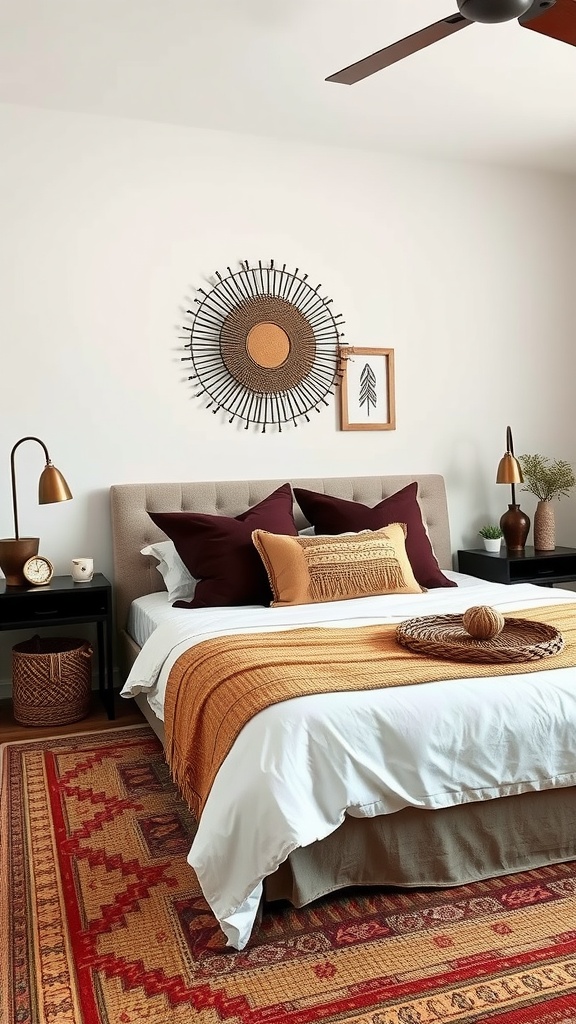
(554, 18)
(397, 51)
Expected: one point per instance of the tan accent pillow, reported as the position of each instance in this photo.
(307, 570)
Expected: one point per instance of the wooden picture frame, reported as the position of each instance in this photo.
(367, 400)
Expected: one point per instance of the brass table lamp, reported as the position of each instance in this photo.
(15, 551)
(514, 523)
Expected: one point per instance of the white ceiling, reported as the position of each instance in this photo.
(497, 93)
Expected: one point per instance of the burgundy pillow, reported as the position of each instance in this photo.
(331, 515)
(218, 550)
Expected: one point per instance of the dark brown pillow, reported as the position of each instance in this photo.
(218, 550)
(331, 515)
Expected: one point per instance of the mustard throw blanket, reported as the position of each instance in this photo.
(216, 687)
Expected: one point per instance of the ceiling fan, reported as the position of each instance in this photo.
(555, 18)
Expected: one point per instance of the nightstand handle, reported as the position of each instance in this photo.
(51, 611)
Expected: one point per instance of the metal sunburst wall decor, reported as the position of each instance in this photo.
(263, 345)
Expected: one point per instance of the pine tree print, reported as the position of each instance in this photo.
(367, 395)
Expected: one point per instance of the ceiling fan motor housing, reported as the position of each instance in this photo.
(490, 12)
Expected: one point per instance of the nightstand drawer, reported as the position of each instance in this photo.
(42, 607)
(544, 568)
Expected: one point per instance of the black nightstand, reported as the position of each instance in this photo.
(541, 567)
(64, 603)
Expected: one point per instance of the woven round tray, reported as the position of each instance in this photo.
(444, 636)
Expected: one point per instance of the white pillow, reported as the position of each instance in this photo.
(308, 532)
(179, 582)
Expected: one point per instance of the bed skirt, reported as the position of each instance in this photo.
(418, 848)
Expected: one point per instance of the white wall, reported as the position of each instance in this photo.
(108, 226)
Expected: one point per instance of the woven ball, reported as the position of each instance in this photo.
(482, 622)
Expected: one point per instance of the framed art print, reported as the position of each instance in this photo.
(367, 389)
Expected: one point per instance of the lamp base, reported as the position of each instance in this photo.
(13, 554)
(515, 526)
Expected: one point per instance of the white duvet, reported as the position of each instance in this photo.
(299, 767)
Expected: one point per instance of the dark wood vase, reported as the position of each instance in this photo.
(515, 526)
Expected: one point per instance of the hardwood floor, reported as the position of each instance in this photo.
(127, 713)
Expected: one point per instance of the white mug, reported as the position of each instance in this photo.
(82, 569)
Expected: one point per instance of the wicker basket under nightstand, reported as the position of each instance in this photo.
(51, 680)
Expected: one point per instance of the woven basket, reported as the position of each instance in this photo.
(51, 680)
(444, 636)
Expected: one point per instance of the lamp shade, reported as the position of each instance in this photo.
(509, 471)
(52, 486)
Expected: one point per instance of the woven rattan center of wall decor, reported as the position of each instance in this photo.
(268, 345)
(444, 636)
(254, 366)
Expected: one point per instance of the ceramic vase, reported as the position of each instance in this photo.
(544, 527)
(515, 526)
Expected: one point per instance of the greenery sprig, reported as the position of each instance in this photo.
(545, 478)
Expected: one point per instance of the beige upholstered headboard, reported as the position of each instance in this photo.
(132, 528)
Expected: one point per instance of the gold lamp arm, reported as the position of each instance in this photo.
(52, 485)
(510, 448)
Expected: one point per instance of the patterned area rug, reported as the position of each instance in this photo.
(105, 923)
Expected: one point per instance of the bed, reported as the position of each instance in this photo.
(515, 812)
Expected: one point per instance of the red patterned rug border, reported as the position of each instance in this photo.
(555, 1010)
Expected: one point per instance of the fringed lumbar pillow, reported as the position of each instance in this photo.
(308, 570)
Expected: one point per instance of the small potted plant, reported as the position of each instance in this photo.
(492, 537)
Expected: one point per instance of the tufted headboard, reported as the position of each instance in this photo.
(132, 527)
